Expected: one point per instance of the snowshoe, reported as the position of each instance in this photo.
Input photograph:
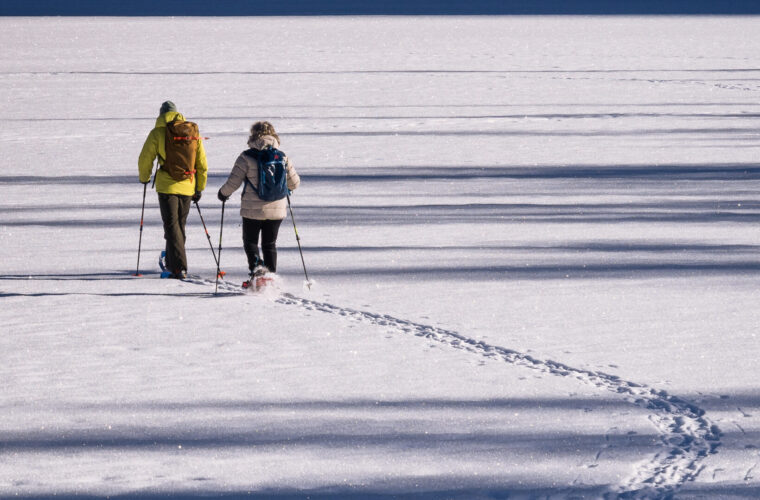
(162, 262)
(179, 275)
(165, 273)
(259, 279)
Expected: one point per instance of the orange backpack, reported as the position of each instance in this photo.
(181, 148)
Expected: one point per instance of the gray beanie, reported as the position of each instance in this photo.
(167, 106)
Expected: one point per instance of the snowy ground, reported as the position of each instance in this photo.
(534, 240)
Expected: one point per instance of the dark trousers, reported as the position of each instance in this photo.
(268, 230)
(174, 210)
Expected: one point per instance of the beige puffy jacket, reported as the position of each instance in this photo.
(251, 206)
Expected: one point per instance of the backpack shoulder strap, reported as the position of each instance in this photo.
(256, 155)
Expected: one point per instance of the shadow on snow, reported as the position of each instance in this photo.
(707, 171)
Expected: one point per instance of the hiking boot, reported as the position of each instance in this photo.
(259, 271)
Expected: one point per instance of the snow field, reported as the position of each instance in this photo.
(523, 230)
(116, 432)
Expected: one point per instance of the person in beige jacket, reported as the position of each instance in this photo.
(259, 216)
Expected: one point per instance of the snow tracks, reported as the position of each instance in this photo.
(687, 435)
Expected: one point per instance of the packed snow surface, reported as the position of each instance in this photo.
(534, 243)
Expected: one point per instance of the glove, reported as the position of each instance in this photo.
(146, 182)
(221, 197)
(197, 197)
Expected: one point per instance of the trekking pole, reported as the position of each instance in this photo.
(142, 217)
(208, 236)
(298, 240)
(221, 228)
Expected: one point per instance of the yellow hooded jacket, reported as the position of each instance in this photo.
(155, 146)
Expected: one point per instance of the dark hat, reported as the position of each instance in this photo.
(167, 106)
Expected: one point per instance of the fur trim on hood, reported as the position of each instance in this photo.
(262, 142)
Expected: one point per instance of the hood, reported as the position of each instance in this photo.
(167, 117)
(263, 141)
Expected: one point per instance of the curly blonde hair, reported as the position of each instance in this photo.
(260, 129)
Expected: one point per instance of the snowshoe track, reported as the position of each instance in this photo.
(687, 436)
(225, 287)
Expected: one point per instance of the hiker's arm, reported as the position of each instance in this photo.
(236, 178)
(147, 156)
(294, 180)
(201, 168)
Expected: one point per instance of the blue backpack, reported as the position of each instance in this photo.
(273, 178)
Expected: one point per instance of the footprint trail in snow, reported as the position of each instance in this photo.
(687, 436)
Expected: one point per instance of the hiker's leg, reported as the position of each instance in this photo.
(269, 231)
(251, 228)
(183, 208)
(174, 231)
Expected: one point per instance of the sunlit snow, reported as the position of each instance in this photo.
(534, 241)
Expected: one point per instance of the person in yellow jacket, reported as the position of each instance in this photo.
(174, 197)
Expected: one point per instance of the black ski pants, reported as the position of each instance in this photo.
(174, 211)
(268, 230)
